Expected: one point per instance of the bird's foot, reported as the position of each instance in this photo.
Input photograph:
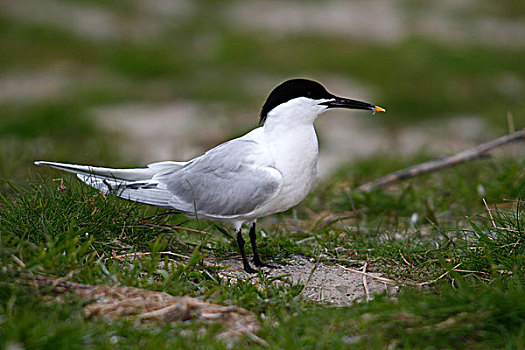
(269, 266)
(259, 263)
(249, 269)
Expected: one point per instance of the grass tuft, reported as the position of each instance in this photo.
(461, 276)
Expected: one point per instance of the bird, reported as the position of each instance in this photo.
(268, 170)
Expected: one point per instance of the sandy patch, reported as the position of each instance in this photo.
(379, 20)
(452, 22)
(32, 85)
(325, 283)
(97, 22)
(173, 131)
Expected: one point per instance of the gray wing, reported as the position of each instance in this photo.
(229, 180)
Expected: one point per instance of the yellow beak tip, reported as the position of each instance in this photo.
(379, 109)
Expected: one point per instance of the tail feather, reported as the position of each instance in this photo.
(119, 174)
(131, 184)
(146, 192)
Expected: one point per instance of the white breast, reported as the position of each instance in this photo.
(289, 136)
(295, 158)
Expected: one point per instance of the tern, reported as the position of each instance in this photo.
(266, 171)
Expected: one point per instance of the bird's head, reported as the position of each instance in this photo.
(305, 100)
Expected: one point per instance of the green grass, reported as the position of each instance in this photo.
(461, 270)
(463, 276)
(464, 317)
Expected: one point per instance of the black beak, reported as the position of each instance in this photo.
(341, 102)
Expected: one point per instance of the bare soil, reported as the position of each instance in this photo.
(333, 284)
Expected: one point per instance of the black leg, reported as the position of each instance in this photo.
(240, 242)
(256, 258)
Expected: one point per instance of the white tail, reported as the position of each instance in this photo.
(132, 184)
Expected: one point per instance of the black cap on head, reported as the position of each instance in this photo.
(295, 88)
(291, 89)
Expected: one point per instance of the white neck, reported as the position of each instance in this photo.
(294, 113)
(290, 135)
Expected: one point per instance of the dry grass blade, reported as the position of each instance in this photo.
(490, 213)
(437, 279)
(118, 302)
(382, 279)
(365, 283)
(175, 227)
(123, 257)
(18, 261)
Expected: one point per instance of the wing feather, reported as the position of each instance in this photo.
(232, 179)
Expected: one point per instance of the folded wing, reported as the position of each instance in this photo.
(230, 180)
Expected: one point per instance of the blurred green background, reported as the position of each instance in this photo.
(129, 82)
